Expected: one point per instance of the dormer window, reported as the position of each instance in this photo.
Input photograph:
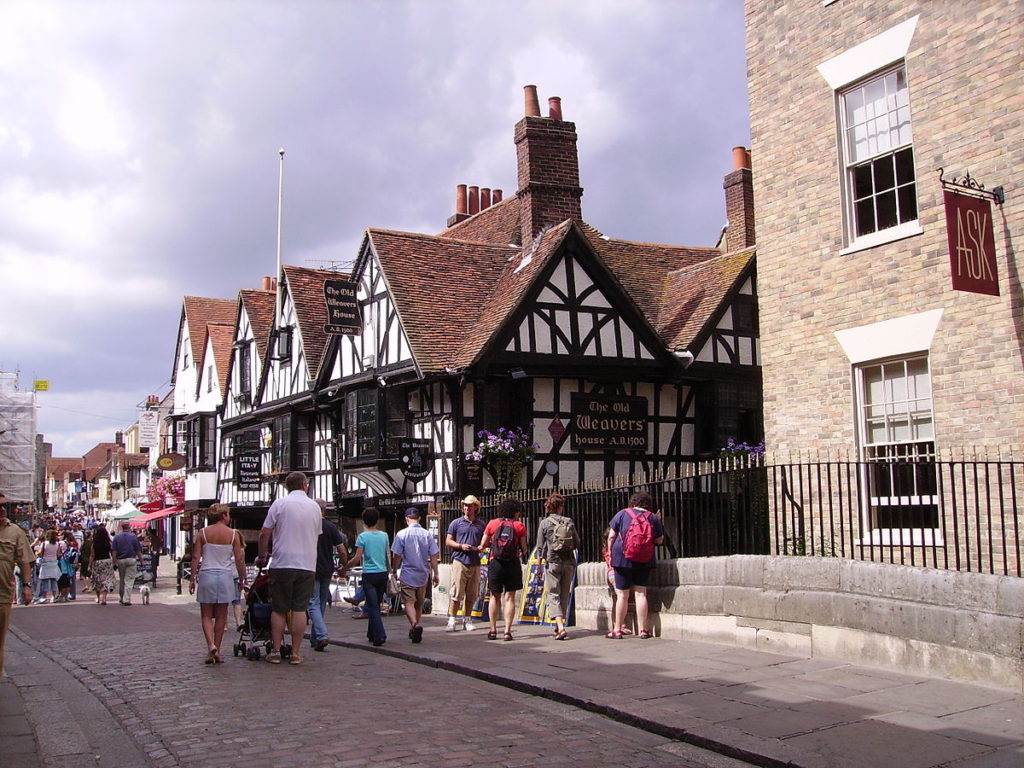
(184, 361)
(284, 344)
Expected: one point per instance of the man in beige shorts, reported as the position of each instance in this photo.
(464, 535)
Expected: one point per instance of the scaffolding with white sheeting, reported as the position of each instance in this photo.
(17, 440)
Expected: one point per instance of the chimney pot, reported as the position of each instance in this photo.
(532, 103)
(267, 283)
(485, 198)
(474, 200)
(555, 107)
(495, 196)
(460, 198)
(740, 158)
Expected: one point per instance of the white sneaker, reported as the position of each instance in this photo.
(451, 625)
(469, 626)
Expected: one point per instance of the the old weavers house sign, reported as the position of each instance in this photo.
(608, 422)
(969, 231)
(342, 307)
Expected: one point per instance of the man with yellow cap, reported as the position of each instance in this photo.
(464, 535)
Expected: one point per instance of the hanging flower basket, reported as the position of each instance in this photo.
(505, 454)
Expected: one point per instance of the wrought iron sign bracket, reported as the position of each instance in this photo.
(968, 185)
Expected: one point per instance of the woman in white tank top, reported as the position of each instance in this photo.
(217, 557)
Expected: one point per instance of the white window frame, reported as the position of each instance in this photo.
(883, 51)
(915, 446)
(878, 148)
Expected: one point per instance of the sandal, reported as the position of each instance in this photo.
(274, 657)
(563, 635)
(492, 635)
(295, 660)
(211, 656)
(216, 657)
(624, 631)
(616, 635)
(508, 636)
(645, 635)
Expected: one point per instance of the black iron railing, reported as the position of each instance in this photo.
(957, 515)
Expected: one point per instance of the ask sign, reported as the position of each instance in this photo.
(972, 247)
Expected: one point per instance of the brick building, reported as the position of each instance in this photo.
(868, 350)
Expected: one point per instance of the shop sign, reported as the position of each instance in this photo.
(417, 457)
(608, 422)
(248, 476)
(972, 249)
(342, 307)
(149, 430)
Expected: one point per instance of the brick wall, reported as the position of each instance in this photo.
(549, 173)
(964, 69)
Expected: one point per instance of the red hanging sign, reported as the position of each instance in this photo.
(972, 245)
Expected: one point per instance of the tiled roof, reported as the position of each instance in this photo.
(498, 225)
(221, 338)
(135, 460)
(692, 295)
(514, 280)
(439, 286)
(59, 467)
(259, 306)
(306, 287)
(642, 267)
(198, 312)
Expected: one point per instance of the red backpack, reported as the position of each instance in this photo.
(638, 543)
(505, 545)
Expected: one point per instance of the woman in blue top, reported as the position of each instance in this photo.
(372, 547)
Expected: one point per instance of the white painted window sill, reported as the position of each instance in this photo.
(890, 235)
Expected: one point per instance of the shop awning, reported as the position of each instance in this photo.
(142, 520)
(151, 506)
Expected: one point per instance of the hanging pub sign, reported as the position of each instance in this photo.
(608, 422)
(972, 247)
(417, 457)
(248, 476)
(342, 307)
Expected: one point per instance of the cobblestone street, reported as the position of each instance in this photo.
(344, 707)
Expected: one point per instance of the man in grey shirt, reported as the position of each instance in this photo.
(126, 549)
(415, 551)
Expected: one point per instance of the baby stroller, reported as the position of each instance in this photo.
(255, 629)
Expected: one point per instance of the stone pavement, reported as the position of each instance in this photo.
(760, 707)
(117, 686)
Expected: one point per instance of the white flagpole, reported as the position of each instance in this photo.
(280, 205)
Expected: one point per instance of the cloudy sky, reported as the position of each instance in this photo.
(138, 152)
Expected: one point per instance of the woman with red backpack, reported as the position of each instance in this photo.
(633, 534)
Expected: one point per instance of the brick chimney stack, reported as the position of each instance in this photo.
(739, 202)
(548, 166)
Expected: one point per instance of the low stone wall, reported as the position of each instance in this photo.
(963, 626)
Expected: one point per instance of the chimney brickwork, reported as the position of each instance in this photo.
(549, 174)
(739, 203)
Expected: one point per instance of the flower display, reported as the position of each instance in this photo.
(504, 453)
(172, 486)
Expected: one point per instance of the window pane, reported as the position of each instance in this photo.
(861, 181)
(904, 166)
(885, 177)
(908, 203)
(886, 207)
(865, 212)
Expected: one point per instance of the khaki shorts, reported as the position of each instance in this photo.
(290, 589)
(413, 595)
(465, 582)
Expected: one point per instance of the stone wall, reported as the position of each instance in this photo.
(963, 626)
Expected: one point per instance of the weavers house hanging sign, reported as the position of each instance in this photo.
(969, 232)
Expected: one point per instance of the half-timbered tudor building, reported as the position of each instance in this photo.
(204, 335)
(616, 356)
(271, 422)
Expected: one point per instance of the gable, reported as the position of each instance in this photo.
(572, 314)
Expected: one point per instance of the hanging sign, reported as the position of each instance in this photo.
(417, 456)
(149, 430)
(608, 422)
(972, 247)
(41, 385)
(248, 476)
(342, 307)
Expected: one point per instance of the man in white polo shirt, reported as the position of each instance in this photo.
(293, 522)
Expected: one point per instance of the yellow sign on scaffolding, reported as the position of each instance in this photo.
(41, 385)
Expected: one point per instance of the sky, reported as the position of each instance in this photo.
(139, 152)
